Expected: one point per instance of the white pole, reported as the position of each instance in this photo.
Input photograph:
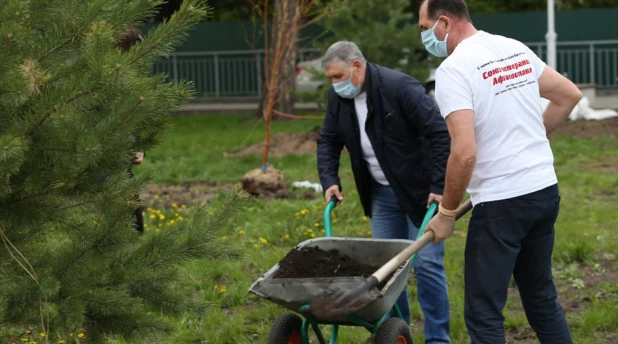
(551, 35)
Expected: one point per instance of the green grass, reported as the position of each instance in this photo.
(585, 233)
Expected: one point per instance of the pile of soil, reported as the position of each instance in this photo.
(283, 144)
(313, 262)
(587, 129)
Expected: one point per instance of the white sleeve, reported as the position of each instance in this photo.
(453, 91)
(537, 63)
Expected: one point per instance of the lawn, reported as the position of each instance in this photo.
(585, 250)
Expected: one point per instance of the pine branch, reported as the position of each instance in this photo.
(123, 119)
(56, 107)
(71, 38)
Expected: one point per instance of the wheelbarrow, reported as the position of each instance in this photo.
(295, 294)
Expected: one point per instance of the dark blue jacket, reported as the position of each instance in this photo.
(408, 135)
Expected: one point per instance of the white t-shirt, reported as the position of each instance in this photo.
(497, 78)
(360, 104)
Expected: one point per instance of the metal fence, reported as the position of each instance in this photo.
(222, 73)
(585, 62)
(238, 73)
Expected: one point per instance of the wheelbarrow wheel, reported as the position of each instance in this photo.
(393, 331)
(286, 330)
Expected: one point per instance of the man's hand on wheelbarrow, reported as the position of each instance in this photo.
(443, 224)
(333, 191)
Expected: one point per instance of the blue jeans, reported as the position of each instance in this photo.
(388, 221)
(513, 236)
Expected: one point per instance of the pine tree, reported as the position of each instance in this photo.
(74, 110)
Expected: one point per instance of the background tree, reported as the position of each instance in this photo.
(71, 104)
(384, 31)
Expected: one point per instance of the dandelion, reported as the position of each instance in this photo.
(156, 196)
(312, 235)
(61, 341)
(263, 241)
(42, 334)
(316, 225)
(297, 214)
(256, 246)
(158, 229)
(323, 230)
(174, 205)
(81, 335)
(161, 217)
(241, 232)
(287, 236)
(179, 218)
(463, 235)
(31, 342)
(224, 237)
(304, 212)
(145, 225)
(183, 206)
(70, 334)
(24, 340)
(152, 217)
(176, 215)
(364, 218)
(172, 222)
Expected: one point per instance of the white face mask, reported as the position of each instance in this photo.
(432, 44)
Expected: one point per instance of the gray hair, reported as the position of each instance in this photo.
(343, 51)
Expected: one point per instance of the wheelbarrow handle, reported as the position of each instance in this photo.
(328, 228)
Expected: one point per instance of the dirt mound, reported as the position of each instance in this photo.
(313, 262)
(588, 129)
(283, 144)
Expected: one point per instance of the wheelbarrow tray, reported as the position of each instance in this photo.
(293, 293)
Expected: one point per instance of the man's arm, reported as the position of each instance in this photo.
(423, 114)
(329, 148)
(463, 157)
(562, 94)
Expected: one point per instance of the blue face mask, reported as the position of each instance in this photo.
(432, 44)
(345, 89)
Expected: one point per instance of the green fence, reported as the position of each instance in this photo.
(218, 56)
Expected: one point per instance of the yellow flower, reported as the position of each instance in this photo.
(287, 236)
(31, 342)
(223, 289)
(152, 216)
(183, 206)
(161, 217)
(179, 218)
(316, 225)
(145, 225)
(241, 233)
(323, 231)
(81, 335)
(297, 214)
(24, 340)
(156, 196)
(463, 235)
(61, 341)
(176, 215)
(312, 235)
(364, 218)
(263, 241)
(158, 229)
(174, 205)
(224, 238)
(304, 212)
(42, 334)
(256, 246)
(70, 334)
(172, 222)
(28, 332)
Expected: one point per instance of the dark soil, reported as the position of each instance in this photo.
(587, 129)
(313, 262)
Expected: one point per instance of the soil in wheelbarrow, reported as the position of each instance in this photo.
(313, 262)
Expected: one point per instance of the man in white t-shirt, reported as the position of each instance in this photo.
(489, 90)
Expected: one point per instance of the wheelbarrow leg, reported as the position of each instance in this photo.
(304, 333)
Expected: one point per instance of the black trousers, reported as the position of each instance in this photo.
(513, 237)
(137, 213)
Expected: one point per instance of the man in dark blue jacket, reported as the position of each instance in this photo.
(399, 145)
